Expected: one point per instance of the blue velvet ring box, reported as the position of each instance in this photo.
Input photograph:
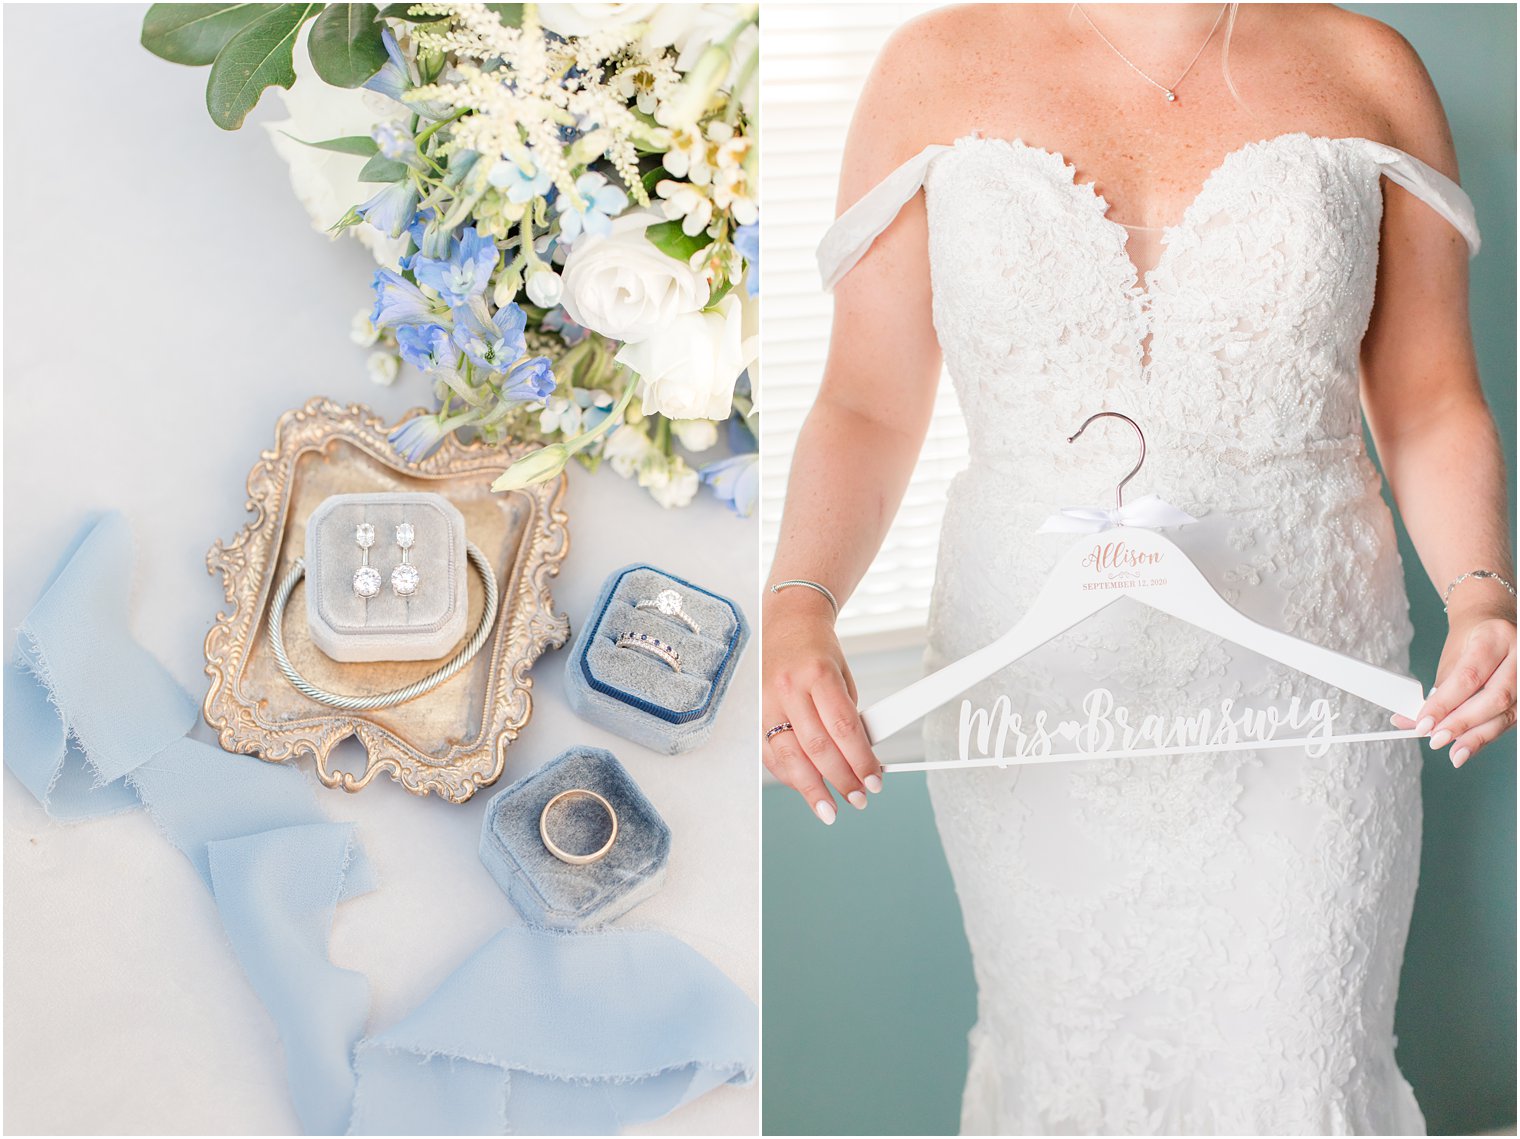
(552, 894)
(638, 696)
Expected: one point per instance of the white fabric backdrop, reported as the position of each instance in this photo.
(165, 300)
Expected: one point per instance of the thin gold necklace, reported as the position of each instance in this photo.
(1169, 92)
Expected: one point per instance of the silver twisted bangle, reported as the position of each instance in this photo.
(398, 695)
(833, 604)
(1446, 597)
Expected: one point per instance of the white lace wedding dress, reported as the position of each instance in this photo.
(1197, 944)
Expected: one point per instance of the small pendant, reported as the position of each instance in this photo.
(1171, 96)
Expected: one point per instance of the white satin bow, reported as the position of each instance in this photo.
(1149, 511)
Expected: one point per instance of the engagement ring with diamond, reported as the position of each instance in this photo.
(667, 603)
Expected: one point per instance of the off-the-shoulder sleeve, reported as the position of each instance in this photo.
(847, 240)
(1432, 187)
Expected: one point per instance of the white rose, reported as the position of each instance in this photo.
(688, 371)
(623, 287)
(583, 19)
(326, 182)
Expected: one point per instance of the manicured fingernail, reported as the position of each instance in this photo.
(825, 811)
(1459, 756)
(873, 784)
(1441, 738)
(1425, 724)
(857, 800)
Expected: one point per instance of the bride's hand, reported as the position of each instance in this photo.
(1473, 703)
(807, 683)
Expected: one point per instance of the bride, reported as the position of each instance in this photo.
(1242, 229)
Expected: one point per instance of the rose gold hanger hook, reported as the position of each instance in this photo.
(1119, 490)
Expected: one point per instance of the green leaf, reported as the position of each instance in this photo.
(258, 57)
(511, 14)
(717, 295)
(382, 169)
(345, 44)
(668, 237)
(192, 34)
(652, 178)
(359, 145)
(402, 12)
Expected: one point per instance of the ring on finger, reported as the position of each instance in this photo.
(784, 726)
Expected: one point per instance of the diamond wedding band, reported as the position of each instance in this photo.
(366, 577)
(784, 726)
(652, 646)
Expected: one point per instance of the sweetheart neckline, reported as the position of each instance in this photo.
(1138, 285)
(1091, 184)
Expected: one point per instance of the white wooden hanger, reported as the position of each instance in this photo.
(1155, 572)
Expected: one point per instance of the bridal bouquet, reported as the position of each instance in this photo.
(562, 202)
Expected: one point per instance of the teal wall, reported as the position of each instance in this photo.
(868, 990)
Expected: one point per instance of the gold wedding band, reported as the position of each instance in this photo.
(565, 855)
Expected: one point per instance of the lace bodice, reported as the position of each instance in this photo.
(1261, 296)
(1196, 944)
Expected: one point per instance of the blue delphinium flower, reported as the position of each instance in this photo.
(533, 379)
(495, 342)
(747, 242)
(417, 436)
(426, 347)
(390, 211)
(464, 273)
(395, 77)
(736, 481)
(393, 142)
(398, 302)
(519, 184)
(603, 202)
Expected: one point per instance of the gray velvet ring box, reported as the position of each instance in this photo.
(638, 696)
(553, 894)
(425, 626)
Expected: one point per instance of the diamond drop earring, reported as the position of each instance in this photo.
(366, 577)
(404, 577)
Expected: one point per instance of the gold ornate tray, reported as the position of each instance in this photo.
(452, 741)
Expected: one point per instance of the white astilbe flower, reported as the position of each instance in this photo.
(539, 88)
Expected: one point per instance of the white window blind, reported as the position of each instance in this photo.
(817, 57)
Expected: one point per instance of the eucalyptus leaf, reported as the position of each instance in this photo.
(192, 34)
(359, 145)
(382, 169)
(258, 57)
(345, 44)
(669, 238)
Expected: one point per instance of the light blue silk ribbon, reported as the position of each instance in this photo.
(537, 1031)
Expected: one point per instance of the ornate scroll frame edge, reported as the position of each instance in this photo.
(528, 620)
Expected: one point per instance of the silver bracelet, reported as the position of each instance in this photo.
(780, 585)
(1446, 597)
(381, 699)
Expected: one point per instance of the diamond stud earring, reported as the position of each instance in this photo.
(404, 578)
(366, 577)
